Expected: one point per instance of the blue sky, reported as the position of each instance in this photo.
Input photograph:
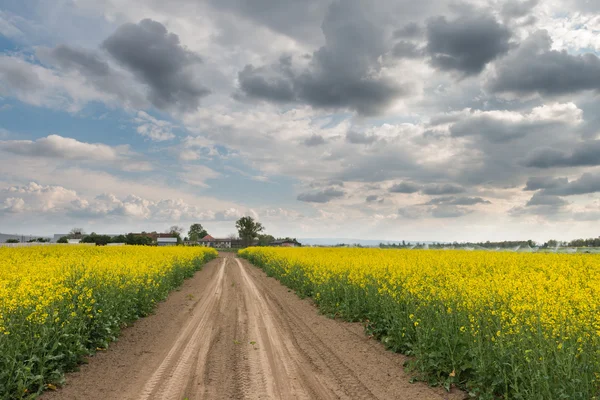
(377, 120)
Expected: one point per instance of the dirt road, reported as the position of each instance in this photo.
(233, 333)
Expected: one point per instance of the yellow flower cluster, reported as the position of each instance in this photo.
(78, 296)
(526, 313)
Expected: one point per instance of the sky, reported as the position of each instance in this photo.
(375, 119)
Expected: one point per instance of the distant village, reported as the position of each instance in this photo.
(249, 234)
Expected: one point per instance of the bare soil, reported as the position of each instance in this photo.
(231, 332)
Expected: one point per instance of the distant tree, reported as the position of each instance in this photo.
(13, 241)
(119, 239)
(176, 231)
(248, 229)
(63, 239)
(43, 240)
(196, 232)
(76, 233)
(139, 240)
(265, 240)
(99, 240)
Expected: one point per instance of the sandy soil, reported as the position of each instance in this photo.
(233, 333)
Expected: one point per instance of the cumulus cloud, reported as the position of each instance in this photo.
(321, 196)
(55, 146)
(360, 137)
(457, 201)
(534, 68)
(544, 182)
(35, 197)
(587, 183)
(405, 187)
(442, 189)
(584, 154)
(314, 140)
(466, 45)
(154, 129)
(345, 73)
(157, 58)
(374, 199)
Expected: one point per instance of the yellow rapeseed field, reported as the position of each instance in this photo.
(509, 325)
(58, 303)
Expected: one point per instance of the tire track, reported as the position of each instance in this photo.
(171, 375)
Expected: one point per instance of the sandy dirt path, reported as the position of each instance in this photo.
(231, 332)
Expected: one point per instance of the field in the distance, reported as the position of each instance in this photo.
(517, 326)
(59, 303)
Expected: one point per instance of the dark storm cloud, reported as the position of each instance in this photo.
(374, 199)
(467, 44)
(587, 183)
(314, 140)
(494, 130)
(442, 189)
(544, 182)
(340, 74)
(539, 199)
(458, 201)
(157, 58)
(585, 154)
(410, 30)
(322, 196)
(405, 187)
(82, 60)
(405, 49)
(360, 138)
(535, 68)
(95, 70)
(267, 85)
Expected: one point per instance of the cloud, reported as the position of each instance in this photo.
(91, 68)
(405, 49)
(158, 59)
(405, 187)
(55, 146)
(322, 196)
(534, 68)
(314, 140)
(63, 148)
(584, 154)
(540, 199)
(513, 9)
(506, 126)
(345, 73)
(374, 199)
(71, 58)
(587, 183)
(360, 138)
(544, 182)
(458, 201)
(466, 45)
(35, 197)
(152, 128)
(442, 189)
(410, 30)
(449, 212)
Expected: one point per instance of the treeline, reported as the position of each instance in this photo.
(507, 244)
(103, 240)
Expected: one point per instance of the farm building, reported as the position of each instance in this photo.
(220, 243)
(166, 241)
(283, 243)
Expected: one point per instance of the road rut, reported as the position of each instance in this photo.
(233, 333)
